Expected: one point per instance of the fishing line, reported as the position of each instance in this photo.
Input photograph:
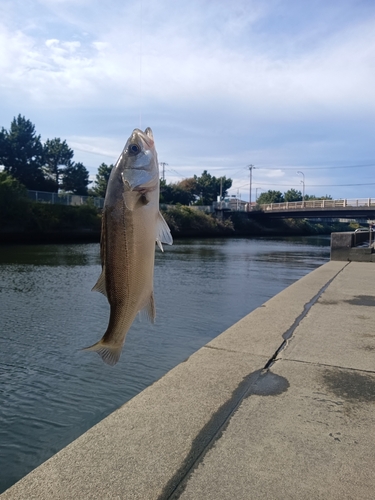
(140, 62)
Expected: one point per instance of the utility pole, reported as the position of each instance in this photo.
(221, 192)
(163, 164)
(250, 167)
(303, 187)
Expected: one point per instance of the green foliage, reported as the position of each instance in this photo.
(101, 181)
(45, 217)
(208, 187)
(202, 190)
(310, 197)
(11, 188)
(187, 221)
(293, 195)
(75, 179)
(36, 166)
(13, 196)
(21, 153)
(56, 154)
(270, 197)
(178, 192)
(290, 195)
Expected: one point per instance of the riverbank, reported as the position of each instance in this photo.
(30, 222)
(280, 405)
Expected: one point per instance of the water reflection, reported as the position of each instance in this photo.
(51, 391)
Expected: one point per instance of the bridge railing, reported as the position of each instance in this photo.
(300, 205)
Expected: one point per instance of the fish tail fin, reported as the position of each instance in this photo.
(110, 354)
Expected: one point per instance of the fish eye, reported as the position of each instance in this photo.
(133, 149)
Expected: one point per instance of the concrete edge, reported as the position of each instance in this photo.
(146, 448)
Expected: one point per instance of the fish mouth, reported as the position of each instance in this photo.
(145, 138)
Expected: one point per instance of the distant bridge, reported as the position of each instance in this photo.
(350, 209)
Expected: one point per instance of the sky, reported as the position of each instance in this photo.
(284, 85)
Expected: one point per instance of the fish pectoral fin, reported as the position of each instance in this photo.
(110, 354)
(100, 284)
(134, 199)
(163, 233)
(149, 311)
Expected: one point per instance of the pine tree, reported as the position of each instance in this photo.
(75, 178)
(21, 153)
(101, 181)
(56, 154)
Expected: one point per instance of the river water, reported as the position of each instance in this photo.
(51, 391)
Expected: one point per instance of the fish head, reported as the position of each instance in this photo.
(138, 164)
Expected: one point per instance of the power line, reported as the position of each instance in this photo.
(228, 169)
(172, 170)
(310, 185)
(319, 168)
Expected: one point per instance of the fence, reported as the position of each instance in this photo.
(298, 205)
(65, 199)
(76, 199)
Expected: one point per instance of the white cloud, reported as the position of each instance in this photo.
(226, 85)
(274, 173)
(203, 70)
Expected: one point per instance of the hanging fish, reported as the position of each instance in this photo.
(131, 225)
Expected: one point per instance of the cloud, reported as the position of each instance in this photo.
(186, 61)
(276, 82)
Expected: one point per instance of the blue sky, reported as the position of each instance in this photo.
(284, 85)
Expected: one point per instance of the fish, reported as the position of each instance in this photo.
(132, 225)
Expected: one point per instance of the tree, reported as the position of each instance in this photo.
(270, 197)
(21, 153)
(56, 154)
(293, 195)
(75, 178)
(208, 187)
(13, 197)
(173, 194)
(190, 185)
(313, 197)
(101, 181)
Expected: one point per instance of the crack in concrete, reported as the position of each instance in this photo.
(306, 308)
(262, 382)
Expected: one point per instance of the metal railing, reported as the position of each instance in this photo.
(233, 205)
(300, 205)
(65, 198)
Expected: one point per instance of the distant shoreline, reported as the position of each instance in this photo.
(21, 237)
(30, 223)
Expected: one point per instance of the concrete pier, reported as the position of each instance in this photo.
(279, 406)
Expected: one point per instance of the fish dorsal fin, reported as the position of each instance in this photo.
(100, 284)
(149, 312)
(163, 233)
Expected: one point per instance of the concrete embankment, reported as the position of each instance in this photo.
(279, 406)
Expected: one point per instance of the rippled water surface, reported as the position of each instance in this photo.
(51, 392)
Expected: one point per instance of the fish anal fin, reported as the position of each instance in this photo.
(149, 311)
(100, 285)
(110, 354)
(163, 233)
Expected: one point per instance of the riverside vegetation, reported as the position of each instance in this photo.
(24, 220)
